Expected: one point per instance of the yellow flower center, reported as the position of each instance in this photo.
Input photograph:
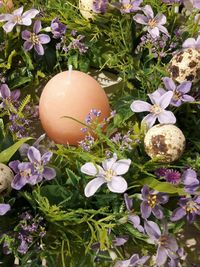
(127, 6)
(25, 173)
(163, 240)
(152, 23)
(34, 39)
(17, 19)
(109, 174)
(192, 207)
(152, 200)
(176, 95)
(156, 109)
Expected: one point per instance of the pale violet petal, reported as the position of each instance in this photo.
(165, 99)
(148, 11)
(8, 27)
(152, 230)
(160, 19)
(18, 12)
(189, 43)
(184, 87)
(90, 169)
(141, 19)
(161, 256)
(149, 120)
(163, 29)
(169, 84)
(26, 21)
(166, 117)
(117, 185)
(108, 163)
(31, 13)
(121, 166)
(154, 32)
(93, 186)
(6, 17)
(140, 106)
(156, 95)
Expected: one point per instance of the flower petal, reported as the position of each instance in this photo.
(46, 157)
(187, 98)
(26, 35)
(39, 49)
(49, 173)
(149, 120)
(44, 38)
(178, 214)
(152, 230)
(184, 87)
(135, 219)
(108, 163)
(163, 29)
(157, 211)
(148, 11)
(162, 198)
(6, 17)
(117, 185)
(190, 177)
(18, 182)
(31, 13)
(141, 19)
(128, 202)
(166, 117)
(145, 209)
(145, 192)
(165, 99)
(28, 46)
(34, 154)
(156, 95)
(154, 32)
(14, 165)
(37, 26)
(26, 21)
(140, 106)
(18, 12)
(4, 208)
(93, 186)
(189, 43)
(169, 84)
(160, 19)
(90, 169)
(15, 94)
(121, 166)
(161, 256)
(172, 244)
(5, 91)
(8, 27)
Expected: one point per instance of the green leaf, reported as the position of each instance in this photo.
(6, 154)
(73, 178)
(162, 186)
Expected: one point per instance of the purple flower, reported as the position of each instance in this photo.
(190, 181)
(32, 172)
(7, 95)
(128, 6)
(134, 260)
(100, 6)
(189, 4)
(192, 43)
(153, 24)
(109, 174)
(173, 176)
(151, 202)
(135, 219)
(17, 18)
(189, 207)
(167, 245)
(78, 44)
(157, 110)
(23, 248)
(33, 39)
(179, 92)
(58, 29)
(4, 208)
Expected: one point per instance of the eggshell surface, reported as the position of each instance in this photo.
(165, 142)
(185, 66)
(74, 98)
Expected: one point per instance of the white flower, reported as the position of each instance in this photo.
(110, 174)
(18, 18)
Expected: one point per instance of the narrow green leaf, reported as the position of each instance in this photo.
(6, 154)
(73, 178)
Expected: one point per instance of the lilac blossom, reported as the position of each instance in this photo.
(167, 245)
(78, 44)
(189, 4)
(58, 29)
(100, 6)
(153, 24)
(190, 181)
(109, 174)
(189, 207)
(133, 218)
(33, 39)
(18, 18)
(192, 43)
(134, 260)
(34, 171)
(151, 203)
(4, 208)
(128, 6)
(157, 109)
(179, 92)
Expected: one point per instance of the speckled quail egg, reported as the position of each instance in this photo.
(185, 66)
(86, 8)
(6, 177)
(165, 142)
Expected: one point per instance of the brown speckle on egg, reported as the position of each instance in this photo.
(6, 177)
(185, 66)
(164, 142)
